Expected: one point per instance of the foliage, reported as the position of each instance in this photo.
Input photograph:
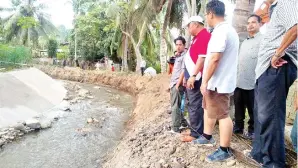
(27, 22)
(95, 33)
(15, 54)
(64, 53)
(52, 48)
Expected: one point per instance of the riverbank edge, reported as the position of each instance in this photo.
(152, 98)
(146, 128)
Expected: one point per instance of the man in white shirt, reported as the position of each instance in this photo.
(219, 80)
(143, 66)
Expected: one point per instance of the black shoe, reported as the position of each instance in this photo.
(237, 130)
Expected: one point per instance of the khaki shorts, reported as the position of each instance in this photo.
(216, 104)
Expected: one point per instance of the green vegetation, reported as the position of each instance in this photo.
(126, 31)
(14, 54)
(52, 48)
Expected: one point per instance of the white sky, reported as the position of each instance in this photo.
(62, 14)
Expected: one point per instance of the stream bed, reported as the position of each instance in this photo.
(71, 142)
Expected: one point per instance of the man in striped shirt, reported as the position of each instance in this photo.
(275, 72)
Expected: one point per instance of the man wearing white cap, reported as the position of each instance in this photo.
(193, 67)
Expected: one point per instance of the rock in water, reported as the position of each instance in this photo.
(33, 124)
(96, 87)
(90, 120)
(2, 142)
(45, 124)
(19, 126)
(90, 97)
(83, 93)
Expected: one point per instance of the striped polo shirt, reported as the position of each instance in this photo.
(283, 18)
(198, 48)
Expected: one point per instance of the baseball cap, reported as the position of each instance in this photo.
(194, 19)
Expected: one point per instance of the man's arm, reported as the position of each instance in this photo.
(212, 65)
(180, 80)
(199, 65)
(288, 39)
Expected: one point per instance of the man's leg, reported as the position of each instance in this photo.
(183, 121)
(225, 131)
(218, 107)
(250, 108)
(272, 90)
(175, 104)
(195, 110)
(209, 123)
(239, 110)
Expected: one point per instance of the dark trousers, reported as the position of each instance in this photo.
(195, 110)
(270, 111)
(142, 70)
(244, 99)
(177, 116)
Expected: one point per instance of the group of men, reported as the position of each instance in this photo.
(259, 76)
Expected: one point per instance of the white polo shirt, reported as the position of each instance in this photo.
(224, 39)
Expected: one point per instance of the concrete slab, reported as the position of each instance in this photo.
(27, 93)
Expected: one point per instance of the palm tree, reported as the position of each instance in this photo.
(173, 18)
(242, 10)
(163, 43)
(134, 20)
(27, 22)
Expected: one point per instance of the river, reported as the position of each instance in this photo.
(72, 142)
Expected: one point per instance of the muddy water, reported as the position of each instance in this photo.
(71, 142)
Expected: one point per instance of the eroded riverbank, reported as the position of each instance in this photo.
(147, 142)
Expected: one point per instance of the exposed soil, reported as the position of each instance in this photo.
(147, 142)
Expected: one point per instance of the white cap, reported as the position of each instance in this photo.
(194, 19)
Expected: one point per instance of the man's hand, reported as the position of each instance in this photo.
(191, 82)
(277, 61)
(203, 88)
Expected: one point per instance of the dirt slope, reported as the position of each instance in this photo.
(146, 142)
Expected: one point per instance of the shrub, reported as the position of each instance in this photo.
(15, 54)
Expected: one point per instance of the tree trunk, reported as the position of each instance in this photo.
(193, 7)
(75, 44)
(242, 10)
(190, 7)
(125, 49)
(137, 47)
(163, 43)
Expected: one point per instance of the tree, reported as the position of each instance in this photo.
(242, 10)
(94, 33)
(163, 43)
(52, 48)
(79, 7)
(134, 19)
(27, 22)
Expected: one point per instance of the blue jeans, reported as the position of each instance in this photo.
(294, 134)
(269, 114)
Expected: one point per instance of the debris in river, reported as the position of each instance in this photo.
(92, 120)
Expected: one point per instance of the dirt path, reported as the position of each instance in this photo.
(146, 142)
